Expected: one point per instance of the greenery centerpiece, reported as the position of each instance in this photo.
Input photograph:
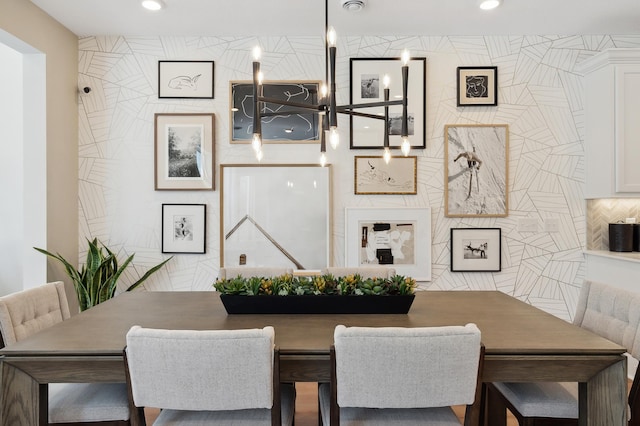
(96, 281)
(316, 294)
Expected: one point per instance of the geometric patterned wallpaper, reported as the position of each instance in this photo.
(540, 97)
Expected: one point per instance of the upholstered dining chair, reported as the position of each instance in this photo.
(363, 271)
(608, 311)
(402, 376)
(198, 377)
(252, 271)
(29, 311)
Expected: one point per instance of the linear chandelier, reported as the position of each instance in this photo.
(326, 106)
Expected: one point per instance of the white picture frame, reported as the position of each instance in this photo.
(411, 239)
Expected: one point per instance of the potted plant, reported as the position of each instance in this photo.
(316, 294)
(96, 281)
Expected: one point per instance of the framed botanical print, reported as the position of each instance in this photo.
(477, 86)
(367, 87)
(476, 173)
(184, 151)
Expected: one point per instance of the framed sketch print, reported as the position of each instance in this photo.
(477, 86)
(367, 87)
(184, 151)
(185, 79)
(276, 215)
(476, 170)
(476, 250)
(372, 175)
(394, 237)
(284, 127)
(184, 228)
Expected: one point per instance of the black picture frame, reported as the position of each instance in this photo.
(184, 228)
(476, 249)
(185, 79)
(368, 133)
(477, 86)
(283, 128)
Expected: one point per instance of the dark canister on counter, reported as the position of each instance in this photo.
(636, 237)
(621, 237)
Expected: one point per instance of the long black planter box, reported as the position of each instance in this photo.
(322, 304)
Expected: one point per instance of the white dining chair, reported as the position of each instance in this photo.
(26, 312)
(198, 377)
(402, 376)
(603, 309)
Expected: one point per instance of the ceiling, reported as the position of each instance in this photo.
(379, 17)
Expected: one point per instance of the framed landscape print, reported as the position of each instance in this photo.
(372, 175)
(184, 151)
(477, 86)
(395, 237)
(366, 87)
(275, 215)
(184, 228)
(279, 128)
(476, 250)
(185, 79)
(476, 170)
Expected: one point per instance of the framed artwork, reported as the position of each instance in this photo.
(372, 175)
(476, 250)
(476, 170)
(280, 128)
(275, 215)
(366, 87)
(185, 79)
(397, 237)
(477, 86)
(184, 228)
(184, 151)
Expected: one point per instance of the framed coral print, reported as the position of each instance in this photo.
(476, 170)
(394, 237)
(184, 151)
(367, 87)
(477, 86)
(275, 215)
(185, 79)
(298, 127)
(372, 175)
(184, 228)
(476, 250)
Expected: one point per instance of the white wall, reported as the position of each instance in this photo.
(540, 98)
(22, 165)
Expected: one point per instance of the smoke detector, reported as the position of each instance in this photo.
(352, 5)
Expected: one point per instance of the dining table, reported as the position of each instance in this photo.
(522, 344)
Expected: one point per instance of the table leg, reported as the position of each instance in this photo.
(605, 395)
(21, 396)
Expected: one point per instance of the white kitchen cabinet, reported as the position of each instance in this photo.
(612, 123)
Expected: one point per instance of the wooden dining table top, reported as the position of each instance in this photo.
(508, 325)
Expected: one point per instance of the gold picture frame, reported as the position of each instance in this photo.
(373, 176)
(476, 172)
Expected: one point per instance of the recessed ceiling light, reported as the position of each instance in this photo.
(153, 4)
(489, 4)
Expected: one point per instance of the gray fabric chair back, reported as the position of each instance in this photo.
(612, 313)
(201, 369)
(363, 271)
(249, 271)
(406, 367)
(29, 311)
